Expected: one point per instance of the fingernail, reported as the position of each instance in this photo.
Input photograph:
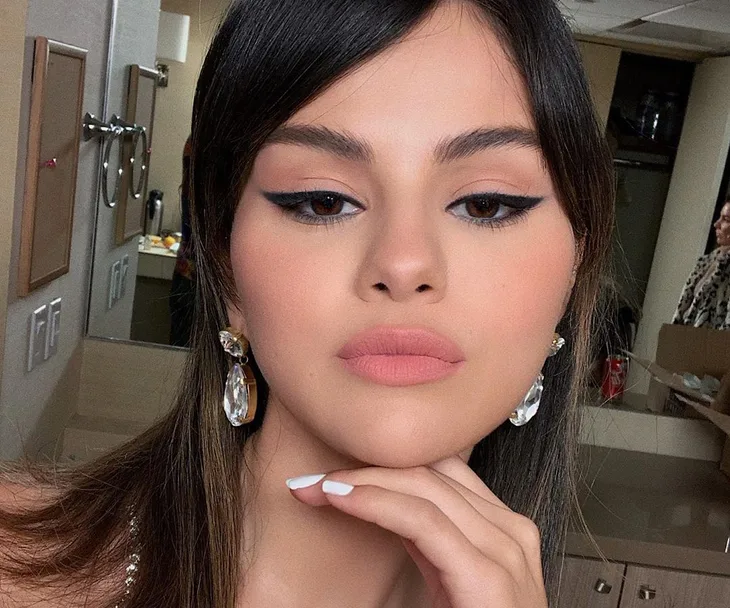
(337, 488)
(305, 481)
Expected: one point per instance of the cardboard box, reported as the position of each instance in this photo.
(683, 348)
(702, 405)
(672, 382)
(721, 421)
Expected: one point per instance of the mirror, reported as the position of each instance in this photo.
(140, 115)
(141, 288)
(53, 153)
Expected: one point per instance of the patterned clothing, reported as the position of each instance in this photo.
(705, 299)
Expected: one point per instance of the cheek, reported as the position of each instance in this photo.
(517, 291)
(288, 293)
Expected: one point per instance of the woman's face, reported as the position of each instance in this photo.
(404, 254)
(722, 226)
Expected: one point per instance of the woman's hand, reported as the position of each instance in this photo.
(472, 550)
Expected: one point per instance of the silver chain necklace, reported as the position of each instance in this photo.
(133, 559)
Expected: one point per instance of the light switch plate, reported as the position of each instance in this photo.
(54, 327)
(123, 277)
(38, 335)
(114, 283)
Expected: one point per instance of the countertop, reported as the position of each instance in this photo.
(163, 251)
(654, 510)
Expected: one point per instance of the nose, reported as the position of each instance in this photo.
(404, 262)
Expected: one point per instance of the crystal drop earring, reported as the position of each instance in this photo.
(531, 402)
(239, 400)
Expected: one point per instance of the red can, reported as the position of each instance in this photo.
(615, 369)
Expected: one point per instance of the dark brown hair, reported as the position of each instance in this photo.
(269, 59)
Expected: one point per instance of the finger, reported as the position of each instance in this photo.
(463, 569)
(308, 489)
(455, 468)
(509, 522)
(470, 580)
(418, 481)
(496, 542)
(454, 471)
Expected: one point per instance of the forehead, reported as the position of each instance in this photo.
(449, 75)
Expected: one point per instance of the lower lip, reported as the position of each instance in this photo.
(401, 370)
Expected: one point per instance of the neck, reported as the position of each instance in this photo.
(297, 555)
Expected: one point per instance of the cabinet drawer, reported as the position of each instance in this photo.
(590, 583)
(647, 587)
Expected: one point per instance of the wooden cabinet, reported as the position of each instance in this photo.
(648, 587)
(590, 583)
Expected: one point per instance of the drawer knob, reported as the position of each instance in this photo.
(602, 586)
(646, 592)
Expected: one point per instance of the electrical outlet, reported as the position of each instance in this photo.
(114, 283)
(54, 327)
(38, 336)
(123, 277)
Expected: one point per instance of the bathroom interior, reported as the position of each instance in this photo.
(90, 353)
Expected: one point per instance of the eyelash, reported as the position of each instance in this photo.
(293, 202)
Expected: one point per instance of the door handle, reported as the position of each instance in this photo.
(646, 592)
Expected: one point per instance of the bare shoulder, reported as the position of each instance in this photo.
(19, 491)
(14, 595)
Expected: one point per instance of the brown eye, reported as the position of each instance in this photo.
(482, 208)
(315, 207)
(493, 209)
(326, 204)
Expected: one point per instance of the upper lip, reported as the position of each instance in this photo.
(393, 340)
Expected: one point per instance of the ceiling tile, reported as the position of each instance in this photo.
(585, 23)
(718, 6)
(682, 36)
(694, 18)
(631, 9)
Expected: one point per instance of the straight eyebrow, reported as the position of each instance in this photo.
(352, 148)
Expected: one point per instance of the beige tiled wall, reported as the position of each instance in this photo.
(127, 381)
(626, 429)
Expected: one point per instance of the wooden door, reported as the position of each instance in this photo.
(590, 583)
(660, 588)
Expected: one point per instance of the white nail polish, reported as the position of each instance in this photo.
(305, 481)
(337, 488)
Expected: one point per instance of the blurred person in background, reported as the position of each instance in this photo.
(706, 294)
(182, 291)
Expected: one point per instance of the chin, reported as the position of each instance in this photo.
(401, 457)
(400, 439)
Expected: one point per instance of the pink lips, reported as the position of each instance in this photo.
(400, 356)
